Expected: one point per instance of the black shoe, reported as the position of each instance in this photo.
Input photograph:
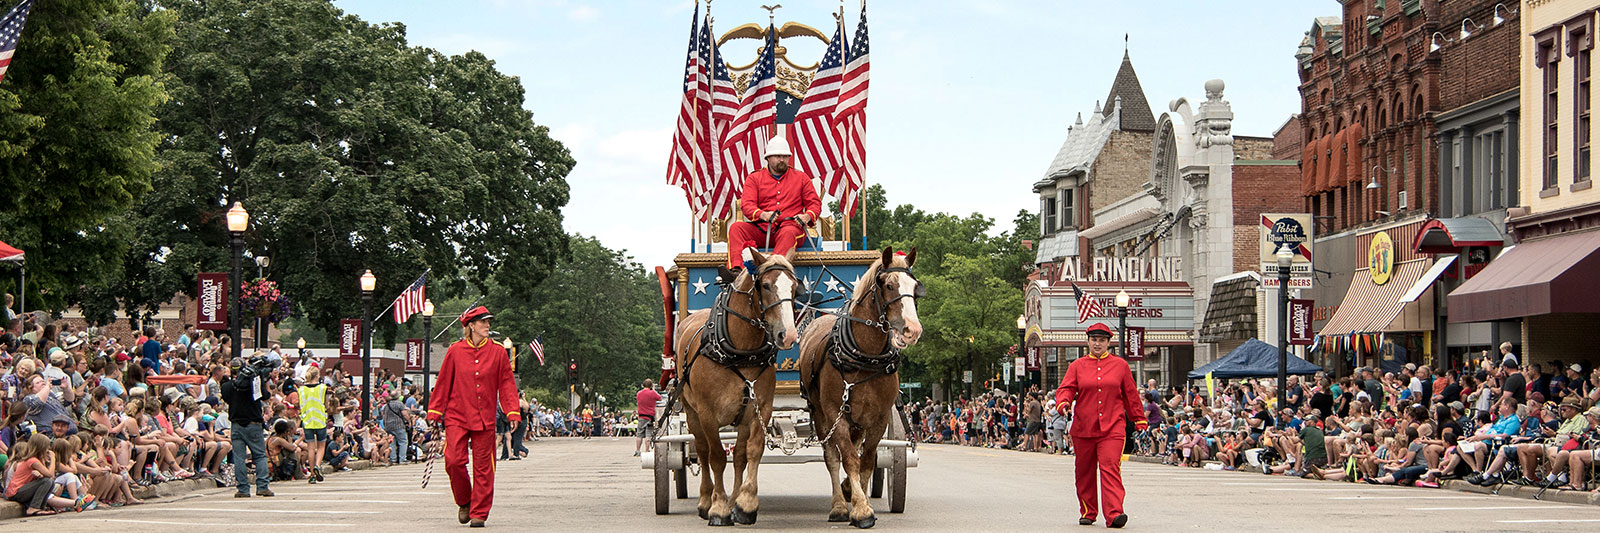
(1085, 521)
(476, 522)
(1118, 522)
(1475, 479)
(1490, 480)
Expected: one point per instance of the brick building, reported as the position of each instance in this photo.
(1369, 88)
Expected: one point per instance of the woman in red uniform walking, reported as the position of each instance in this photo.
(476, 374)
(1102, 386)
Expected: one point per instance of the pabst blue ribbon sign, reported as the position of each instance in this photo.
(212, 305)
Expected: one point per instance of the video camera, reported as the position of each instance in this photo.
(257, 366)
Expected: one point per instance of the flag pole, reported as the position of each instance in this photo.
(391, 302)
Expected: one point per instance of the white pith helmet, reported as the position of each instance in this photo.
(777, 146)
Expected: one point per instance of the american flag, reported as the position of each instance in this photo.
(815, 139)
(410, 302)
(537, 347)
(682, 168)
(750, 128)
(851, 118)
(10, 32)
(1088, 307)
(717, 105)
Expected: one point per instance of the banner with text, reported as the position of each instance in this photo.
(349, 338)
(1033, 359)
(1300, 322)
(414, 355)
(212, 305)
(1135, 350)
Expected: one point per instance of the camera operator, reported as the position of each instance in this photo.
(244, 394)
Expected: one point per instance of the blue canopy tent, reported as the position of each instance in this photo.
(1253, 359)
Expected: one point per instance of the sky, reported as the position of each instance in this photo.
(969, 99)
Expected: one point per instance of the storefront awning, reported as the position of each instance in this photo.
(1428, 278)
(1451, 235)
(1140, 215)
(1370, 308)
(1560, 274)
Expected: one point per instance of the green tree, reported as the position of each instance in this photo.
(352, 150)
(968, 320)
(598, 307)
(76, 143)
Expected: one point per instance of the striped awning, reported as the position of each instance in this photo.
(1371, 308)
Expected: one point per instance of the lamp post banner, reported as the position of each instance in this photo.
(212, 304)
(414, 355)
(1033, 359)
(1135, 350)
(349, 338)
(1300, 321)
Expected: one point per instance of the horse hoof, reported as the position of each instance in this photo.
(703, 514)
(841, 517)
(741, 517)
(865, 523)
(717, 521)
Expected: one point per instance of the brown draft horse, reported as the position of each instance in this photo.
(726, 355)
(852, 397)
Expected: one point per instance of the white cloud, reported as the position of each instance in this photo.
(583, 13)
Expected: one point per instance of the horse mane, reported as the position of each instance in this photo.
(858, 294)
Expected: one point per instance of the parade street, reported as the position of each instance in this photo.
(573, 485)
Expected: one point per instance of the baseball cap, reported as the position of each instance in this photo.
(1594, 411)
(1457, 406)
(123, 356)
(1576, 368)
(1411, 366)
(61, 418)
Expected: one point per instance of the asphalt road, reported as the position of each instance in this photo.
(573, 485)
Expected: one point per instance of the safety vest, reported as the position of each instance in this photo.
(312, 413)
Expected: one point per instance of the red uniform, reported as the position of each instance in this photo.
(471, 380)
(789, 195)
(1106, 396)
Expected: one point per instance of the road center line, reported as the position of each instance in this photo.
(234, 510)
(1501, 508)
(1550, 521)
(347, 501)
(230, 524)
(1407, 498)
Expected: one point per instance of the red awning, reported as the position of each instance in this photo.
(1451, 235)
(7, 253)
(1556, 275)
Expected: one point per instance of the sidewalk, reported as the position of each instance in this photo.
(10, 509)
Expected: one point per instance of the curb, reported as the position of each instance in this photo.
(1507, 491)
(10, 509)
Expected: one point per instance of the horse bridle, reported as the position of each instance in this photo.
(882, 323)
(755, 294)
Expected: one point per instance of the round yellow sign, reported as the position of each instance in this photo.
(1380, 258)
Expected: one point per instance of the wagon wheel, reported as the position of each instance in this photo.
(895, 473)
(681, 475)
(897, 482)
(663, 496)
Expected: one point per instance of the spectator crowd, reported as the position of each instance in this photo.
(1493, 422)
(89, 418)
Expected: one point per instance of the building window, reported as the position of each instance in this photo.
(1067, 200)
(1048, 214)
(1580, 110)
(1548, 59)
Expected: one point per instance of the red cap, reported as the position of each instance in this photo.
(1098, 328)
(476, 313)
(123, 356)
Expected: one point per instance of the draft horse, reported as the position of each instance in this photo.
(852, 397)
(726, 354)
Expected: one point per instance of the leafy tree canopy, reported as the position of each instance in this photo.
(76, 140)
(351, 150)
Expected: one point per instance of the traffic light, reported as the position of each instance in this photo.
(572, 371)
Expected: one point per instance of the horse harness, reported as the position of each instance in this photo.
(718, 346)
(846, 355)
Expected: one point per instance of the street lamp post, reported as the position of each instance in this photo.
(1285, 258)
(261, 321)
(427, 349)
(368, 284)
(238, 221)
(1122, 330)
(974, 379)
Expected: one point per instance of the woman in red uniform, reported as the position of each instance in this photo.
(476, 374)
(1102, 386)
